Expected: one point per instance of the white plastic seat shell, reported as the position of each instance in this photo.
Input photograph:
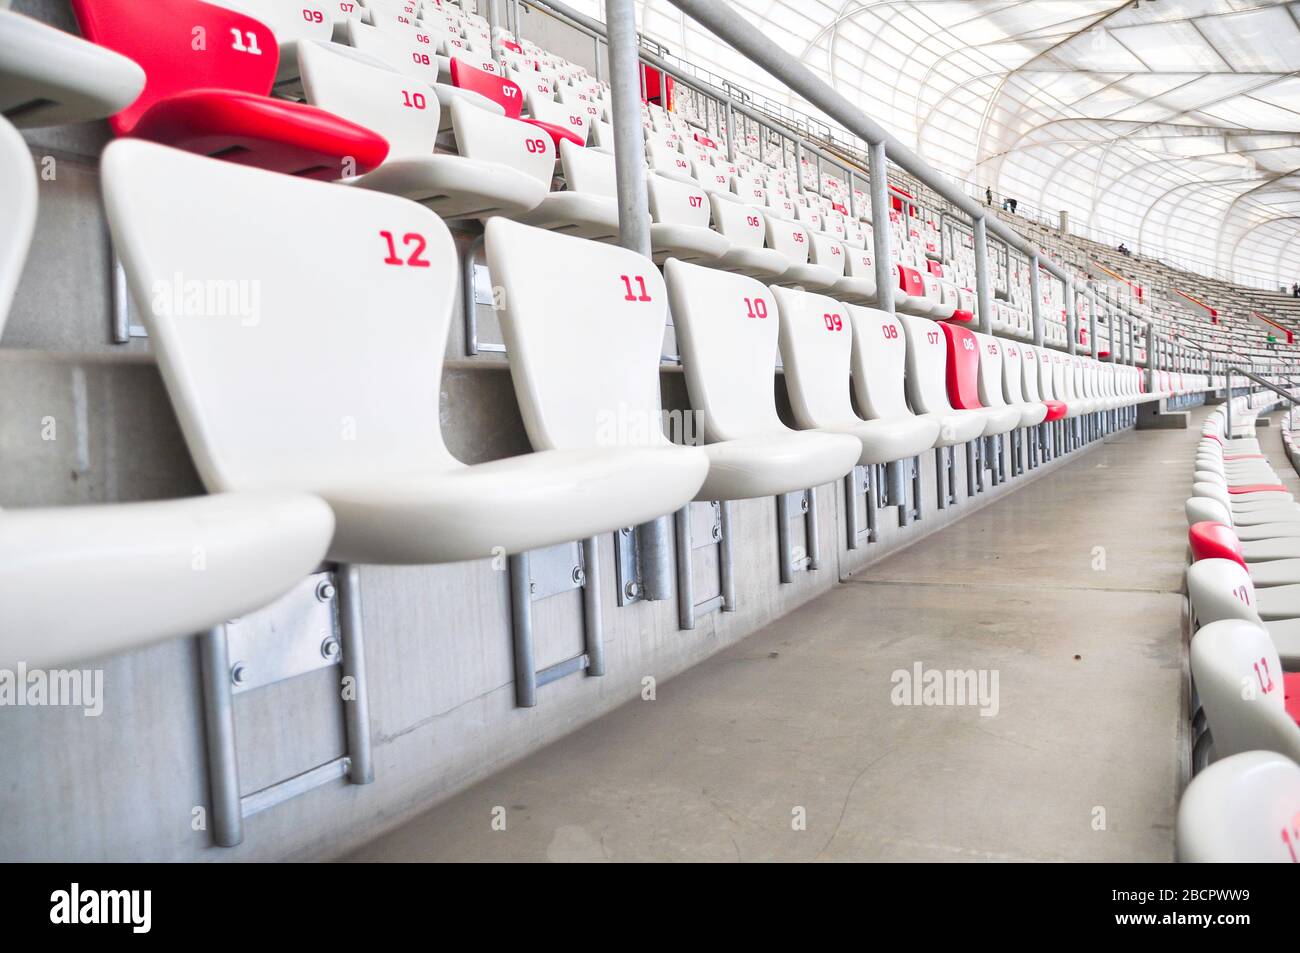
(816, 335)
(49, 77)
(79, 583)
(1231, 655)
(407, 112)
(927, 385)
(19, 222)
(357, 420)
(588, 208)
(1241, 810)
(727, 327)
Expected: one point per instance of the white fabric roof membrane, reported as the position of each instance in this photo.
(1171, 125)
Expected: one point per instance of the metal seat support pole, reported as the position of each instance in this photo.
(634, 233)
(227, 820)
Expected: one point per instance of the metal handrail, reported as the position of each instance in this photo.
(721, 20)
(1230, 370)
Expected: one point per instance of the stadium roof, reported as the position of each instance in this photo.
(1171, 125)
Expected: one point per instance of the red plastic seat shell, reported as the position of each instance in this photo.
(273, 134)
(557, 133)
(910, 281)
(500, 90)
(1291, 694)
(963, 367)
(1258, 488)
(962, 316)
(1055, 410)
(209, 72)
(1211, 540)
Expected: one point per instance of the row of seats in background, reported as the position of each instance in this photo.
(423, 77)
(1243, 586)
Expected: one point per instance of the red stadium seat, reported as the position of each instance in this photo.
(208, 72)
(508, 95)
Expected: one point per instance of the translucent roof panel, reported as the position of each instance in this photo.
(1171, 125)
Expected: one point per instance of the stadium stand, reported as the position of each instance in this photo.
(375, 344)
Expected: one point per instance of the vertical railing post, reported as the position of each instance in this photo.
(731, 138)
(1092, 320)
(1227, 435)
(1071, 318)
(1036, 300)
(634, 234)
(494, 40)
(983, 288)
(878, 166)
(1151, 377)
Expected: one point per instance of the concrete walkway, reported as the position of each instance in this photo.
(790, 744)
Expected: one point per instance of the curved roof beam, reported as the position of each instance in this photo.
(1277, 263)
(1165, 194)
(1227, 215)
(1257, 227)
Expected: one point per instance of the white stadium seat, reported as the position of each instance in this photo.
(1243, 809)
(727, 326)
(49, 77)
(680, 226)
(817, 348)
(503, 167)
(1250, 703)
(359, 424)
(80, 583)
(587, 208)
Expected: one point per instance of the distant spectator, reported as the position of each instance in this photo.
(1295, 290)
(1012, 203)
(1123, 250)
(988, 195)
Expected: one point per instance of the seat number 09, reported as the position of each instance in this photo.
(833, 322)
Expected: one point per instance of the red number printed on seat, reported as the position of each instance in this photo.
(413, 240)
(631, 294)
